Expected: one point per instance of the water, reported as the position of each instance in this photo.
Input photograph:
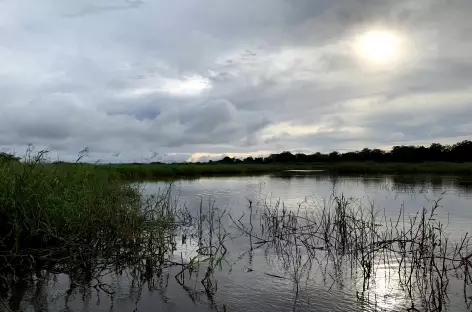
(257, 279)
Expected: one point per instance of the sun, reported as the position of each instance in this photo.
(379, 46)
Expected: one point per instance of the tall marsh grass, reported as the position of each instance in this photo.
(47, 207)
(80, 221)
(87, 223)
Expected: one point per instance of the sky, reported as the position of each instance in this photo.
(192, 80)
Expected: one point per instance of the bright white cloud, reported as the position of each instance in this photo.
(187, 86)
(190, 85)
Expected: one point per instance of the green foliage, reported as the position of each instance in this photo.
(43, 206)
(6, 157)
(160, 171)
(83, 221)
(152, 171)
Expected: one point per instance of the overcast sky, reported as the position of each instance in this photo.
(143, 80)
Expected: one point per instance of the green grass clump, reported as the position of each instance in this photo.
(79, 220)
(44, 207)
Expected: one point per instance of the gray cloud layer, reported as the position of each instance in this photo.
(165, 80)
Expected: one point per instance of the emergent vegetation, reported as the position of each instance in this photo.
(81, 221)
(342, 236)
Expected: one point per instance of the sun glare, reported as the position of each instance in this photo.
(379, 46)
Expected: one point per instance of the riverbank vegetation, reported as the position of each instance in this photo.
(459, 153)
(86, 222)
(77, 220)
(44, 206)
(436, 159)
(159, 171)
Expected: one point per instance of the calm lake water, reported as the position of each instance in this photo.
(257, 279)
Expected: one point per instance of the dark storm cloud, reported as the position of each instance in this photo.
(132, 79)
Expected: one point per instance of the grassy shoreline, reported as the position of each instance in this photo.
(69, 216)
(162, 171)
(86, 222)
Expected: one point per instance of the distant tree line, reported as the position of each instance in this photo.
(459, 152)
